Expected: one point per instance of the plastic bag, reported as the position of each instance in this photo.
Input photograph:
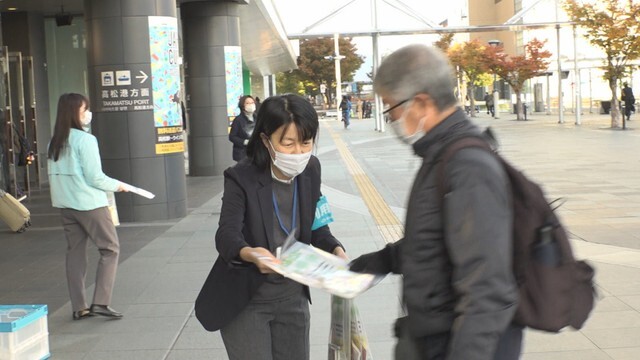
(347, 328)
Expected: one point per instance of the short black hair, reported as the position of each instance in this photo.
(242, 100)
(278, 111)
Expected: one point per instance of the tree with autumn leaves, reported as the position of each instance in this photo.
(515, 70)
(613, 26)
(474, 60)
(467, 58)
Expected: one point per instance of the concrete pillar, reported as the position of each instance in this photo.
(137, 117)
(211, 30)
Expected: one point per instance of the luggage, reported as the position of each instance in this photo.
(15, 214)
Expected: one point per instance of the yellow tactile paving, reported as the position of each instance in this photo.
(387, 222)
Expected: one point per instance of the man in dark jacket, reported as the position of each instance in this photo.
(455, 257)
(629, 101)
(488, 99)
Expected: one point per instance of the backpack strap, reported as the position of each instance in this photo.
(448, 151)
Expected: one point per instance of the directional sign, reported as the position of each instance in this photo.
(142, 76)
(117, 91)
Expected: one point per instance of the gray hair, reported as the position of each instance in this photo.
(416, 69)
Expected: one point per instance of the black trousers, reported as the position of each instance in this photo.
(628, 108)
(434, 347)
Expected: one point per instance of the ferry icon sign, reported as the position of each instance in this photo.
(123, 77)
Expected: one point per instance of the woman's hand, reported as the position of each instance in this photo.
(258, 256)
(122, 188)
(339, 252)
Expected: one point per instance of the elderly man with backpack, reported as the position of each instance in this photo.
(461, 284)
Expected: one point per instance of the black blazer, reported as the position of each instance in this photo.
(246, 219)
(239, 133)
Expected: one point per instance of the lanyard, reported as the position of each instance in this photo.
(293, 212)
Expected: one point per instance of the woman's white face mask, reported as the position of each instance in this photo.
(86, 120)
(291, 165)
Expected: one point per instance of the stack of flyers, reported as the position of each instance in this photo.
(316, 268)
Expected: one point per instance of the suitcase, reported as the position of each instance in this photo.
(15, 214)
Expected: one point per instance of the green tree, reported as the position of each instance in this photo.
(289, 82)
(613, 26)
(516, 70)
(315, 69)
(468, 60)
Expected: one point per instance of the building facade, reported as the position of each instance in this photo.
(151, 69)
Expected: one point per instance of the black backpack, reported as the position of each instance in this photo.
(555, 290)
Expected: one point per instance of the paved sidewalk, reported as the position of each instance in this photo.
(596, 169)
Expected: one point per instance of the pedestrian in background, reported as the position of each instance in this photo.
(78, 189)
(488, 99)
(455, 258)
(242, 127)
(345, 107)
(367, 109)
(261, 314)
(359, 109)
(629, 101)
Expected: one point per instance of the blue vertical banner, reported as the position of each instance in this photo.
(233, 77)
(165, 80)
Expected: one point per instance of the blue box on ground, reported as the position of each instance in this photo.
(23, 332)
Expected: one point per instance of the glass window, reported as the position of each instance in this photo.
(66, 60)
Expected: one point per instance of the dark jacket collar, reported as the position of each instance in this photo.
(244, 117)
(452, 127)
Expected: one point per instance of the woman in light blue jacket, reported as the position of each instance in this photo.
(79, 189)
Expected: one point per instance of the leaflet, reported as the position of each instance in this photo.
(316, 268)
(141, 192)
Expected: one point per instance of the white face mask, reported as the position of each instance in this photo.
(88, 115)
(398, 128)
(250, 108)
(291, 165)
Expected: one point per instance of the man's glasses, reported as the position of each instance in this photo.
(385, 112)
(388, 110)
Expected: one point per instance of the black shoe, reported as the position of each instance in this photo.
(82, 314)
(104, 310)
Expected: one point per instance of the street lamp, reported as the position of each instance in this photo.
(336, 57)
(496, 95)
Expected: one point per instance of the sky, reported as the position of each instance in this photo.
(296, 15)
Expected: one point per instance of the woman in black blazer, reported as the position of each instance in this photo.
(263, 315)
(242, 127)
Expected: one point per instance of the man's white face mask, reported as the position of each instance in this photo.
(398, 127)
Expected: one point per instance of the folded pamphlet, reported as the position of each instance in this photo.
(316, 268)
(136, 190)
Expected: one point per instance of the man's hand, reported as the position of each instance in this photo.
(378, 262)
